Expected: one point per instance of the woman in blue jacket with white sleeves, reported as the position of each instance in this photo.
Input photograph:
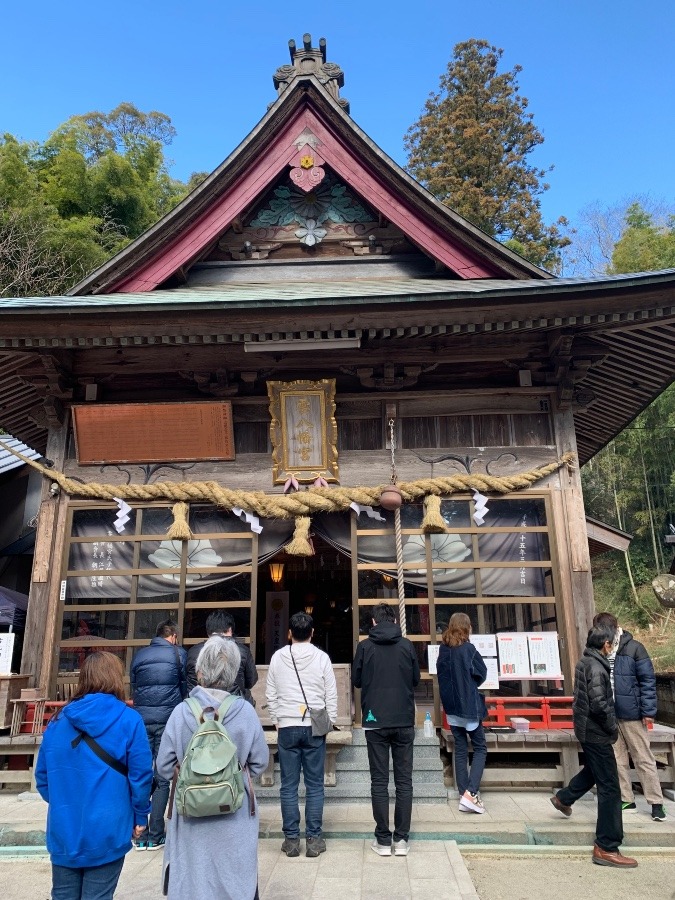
(94, 770)
(461, 671)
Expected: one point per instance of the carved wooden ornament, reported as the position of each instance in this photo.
(306, 172)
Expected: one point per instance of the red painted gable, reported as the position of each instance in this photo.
(278, 155)
(269, 154)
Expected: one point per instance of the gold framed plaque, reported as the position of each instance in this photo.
(303, 430)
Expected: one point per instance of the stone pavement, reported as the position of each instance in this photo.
(493, 849)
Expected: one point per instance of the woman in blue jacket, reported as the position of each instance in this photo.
(94, 770)
(461, 671)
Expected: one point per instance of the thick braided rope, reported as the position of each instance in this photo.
(399, 572)
(302, 503)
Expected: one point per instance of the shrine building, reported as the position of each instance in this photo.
(222, 404)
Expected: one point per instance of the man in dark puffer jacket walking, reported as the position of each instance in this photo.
(634, 684)
(596, 730)
(157, 687)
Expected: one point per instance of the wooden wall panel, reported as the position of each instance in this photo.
(253, 471)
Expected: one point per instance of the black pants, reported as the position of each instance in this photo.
(160, 796)
(379, 741)
(600, 769)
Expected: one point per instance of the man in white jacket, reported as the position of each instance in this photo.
(295, 668)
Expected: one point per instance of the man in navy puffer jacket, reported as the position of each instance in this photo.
(634, 684)
(158, 685)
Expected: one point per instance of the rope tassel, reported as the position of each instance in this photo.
(180, 530)
(300, 544)
(433, 520)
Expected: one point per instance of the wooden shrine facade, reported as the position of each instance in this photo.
(309, 255)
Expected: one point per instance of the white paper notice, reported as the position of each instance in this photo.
(514, 661)
(544, 655)
(491, 683)
(6, 647)
(486, 644)
(434, 650)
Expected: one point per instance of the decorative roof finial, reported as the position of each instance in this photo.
(310, 60)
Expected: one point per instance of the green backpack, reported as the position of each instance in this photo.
(210, 781)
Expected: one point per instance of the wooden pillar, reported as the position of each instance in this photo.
(572, 542)
(43, 605)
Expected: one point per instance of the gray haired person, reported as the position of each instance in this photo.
(198, 859)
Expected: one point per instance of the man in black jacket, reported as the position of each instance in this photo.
(634, 684)
(596, 730)
(387, 671)
(157, 687)
(222, 623)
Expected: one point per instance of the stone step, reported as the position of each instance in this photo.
(360, 763)
(359, 738)
(421, 755)
(347, 776)
(358, 793)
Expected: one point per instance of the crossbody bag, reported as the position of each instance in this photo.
(319, 718)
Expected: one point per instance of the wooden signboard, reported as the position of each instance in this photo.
(153, 432)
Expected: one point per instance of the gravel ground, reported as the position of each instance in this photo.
(533, 878)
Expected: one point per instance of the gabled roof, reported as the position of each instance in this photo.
(188, 231)
(603, 537)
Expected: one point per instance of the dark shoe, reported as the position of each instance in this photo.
(291, 847)
(315, 846)
(140, 845)
(626, 805)
(156, 845)
(615, 859)
(565, 810)
(658, 812)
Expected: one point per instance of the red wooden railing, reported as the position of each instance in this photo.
(541, 712)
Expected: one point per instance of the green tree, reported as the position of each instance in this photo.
(630, 483)
(471, 146)
(644, 246)
(68, 204)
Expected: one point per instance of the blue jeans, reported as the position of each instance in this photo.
(160, 796)
(91, 883)
(299, 750)
(400, 741)
(465, 780)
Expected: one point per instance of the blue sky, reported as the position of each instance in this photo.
(599, 75)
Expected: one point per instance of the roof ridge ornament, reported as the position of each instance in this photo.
(310, 60)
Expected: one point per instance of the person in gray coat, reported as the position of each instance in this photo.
(216, 857)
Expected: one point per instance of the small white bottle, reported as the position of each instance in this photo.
(429, 729)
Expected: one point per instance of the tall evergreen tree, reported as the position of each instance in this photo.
(471, 146)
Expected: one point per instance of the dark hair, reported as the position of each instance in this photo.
(166, 629)
(598, 635)
(219, 621)
(458, 630)
(384, 612)
(101, 673)
(606, 619)
(301, 625)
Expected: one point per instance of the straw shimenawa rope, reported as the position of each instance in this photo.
(302, 504)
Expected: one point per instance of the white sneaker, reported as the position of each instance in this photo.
(381, 849)
(401, 848)
(471, 803)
